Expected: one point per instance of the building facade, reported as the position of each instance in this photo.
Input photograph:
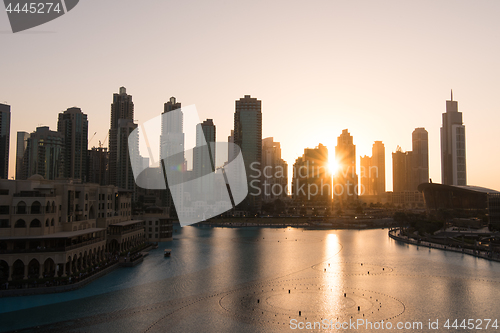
(97, 169)
(44, 154)
(453, 158)
(274, 171)
(420, 148)
(60, 228)
(204, 158)
(402, 170)
(22, 144)
(172, 150)
(372, 177)
(122, 109)
(346, 179)
(248, 136)
(73, 125)
(4, 140)
(311, 180)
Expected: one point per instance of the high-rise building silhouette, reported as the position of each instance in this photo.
(44, 154)
(230, 147)
(97, 170)
(172, 148)
(420, 158)
(311, 178)
(453, 159)
(121, 108)
(204, 155)
(248, 136)
(402, 170)
(121, 125)
(365, 178)
(73, 125)
(378, 172)
(4, 140)
(411, 168)
(22, 143)
(346, 178)
(274, 171)
(372, 168)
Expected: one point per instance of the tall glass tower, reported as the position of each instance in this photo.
(73, 124)
(248, 136)
(453, 162)
(121, 124)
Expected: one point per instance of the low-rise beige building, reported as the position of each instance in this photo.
(52, 228)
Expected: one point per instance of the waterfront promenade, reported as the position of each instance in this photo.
(396, 235)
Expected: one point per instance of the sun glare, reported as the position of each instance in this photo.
(333, 166)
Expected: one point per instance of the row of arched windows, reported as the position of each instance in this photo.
(36, 208)
(33, 224)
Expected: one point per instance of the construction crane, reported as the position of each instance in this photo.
(92, 137)
(104, 142)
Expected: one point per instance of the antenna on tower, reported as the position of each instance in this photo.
(452, 95)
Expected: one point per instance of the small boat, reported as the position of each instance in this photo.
(167, 252)
(155, 245)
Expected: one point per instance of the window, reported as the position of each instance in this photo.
(20, 224)
(4, 223)
(35, 224)
(21, 208)
(4, 209)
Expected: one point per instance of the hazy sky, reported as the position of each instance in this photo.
(378, 68)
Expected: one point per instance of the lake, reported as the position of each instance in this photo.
(275, 280)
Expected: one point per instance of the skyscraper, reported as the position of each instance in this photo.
(401, 170)
(378, 172)
(44, 154)
(204, 156)
(121, 125)
(248, 136)
(4, 140)
(411, 168)
(121, 108)
(73, 125)
(346, 178)
(22, 143)
(274, 171)
(420, 167)
(453, 160)
(97, 170)
(230, 148)
(172, 148)
(311, 179)
(366, 179)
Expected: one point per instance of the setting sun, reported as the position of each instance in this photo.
(333, 166)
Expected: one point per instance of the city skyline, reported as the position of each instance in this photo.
(328, 84)
(334, 164)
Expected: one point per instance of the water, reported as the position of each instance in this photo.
(258, 279)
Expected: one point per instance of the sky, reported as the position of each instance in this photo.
(378, 68)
